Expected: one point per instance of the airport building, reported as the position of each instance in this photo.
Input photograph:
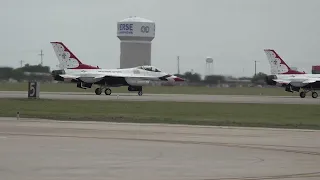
(136, 35)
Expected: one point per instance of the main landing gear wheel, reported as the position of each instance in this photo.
(314, 94)
(98, 91)
(302, 94)
(140, 93)
(107, 91)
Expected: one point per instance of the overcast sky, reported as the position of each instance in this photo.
(233, 32)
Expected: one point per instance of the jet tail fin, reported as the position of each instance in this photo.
(67, 60)
(278, 66)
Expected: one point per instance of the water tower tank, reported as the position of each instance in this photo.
(136, 35)
(209, 60)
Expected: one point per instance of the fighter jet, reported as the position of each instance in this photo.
(85, 76)
(292, 80)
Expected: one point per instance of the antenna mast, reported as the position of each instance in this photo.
(41, 55)
(255, 67)
(21, 61)
(178, 59)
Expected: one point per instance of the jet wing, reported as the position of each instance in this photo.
(100, 76)
(306, 81)
(106, 75)
(97, 77)
(282, 81)
(311, 80)
(67, 76)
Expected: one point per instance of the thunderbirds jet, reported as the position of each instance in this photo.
(292, 80)
(85, 75)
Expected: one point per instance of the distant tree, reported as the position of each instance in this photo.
(5, 72)
(245, 78)
(17, 74)
(35, 68)
(230, 77)
(192, 77)
(214, 79)
(259, 78)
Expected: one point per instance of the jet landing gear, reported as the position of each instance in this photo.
(313, 94)
(98, 91)
(107, 91)
(136, 88)
(302, 94)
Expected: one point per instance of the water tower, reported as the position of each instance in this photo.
(209, 66)
(135, 34)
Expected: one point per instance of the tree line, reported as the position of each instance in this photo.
(27, 72)
(217, 79)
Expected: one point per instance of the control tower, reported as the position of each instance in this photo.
(135, 34)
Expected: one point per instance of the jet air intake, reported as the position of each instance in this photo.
(55, 74)
(270, 80)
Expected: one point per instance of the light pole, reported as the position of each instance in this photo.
(255, 67)
(178, 59)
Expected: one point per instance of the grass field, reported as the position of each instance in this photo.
(49, 87)
(256, 115)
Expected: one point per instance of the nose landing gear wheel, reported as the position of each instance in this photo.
(140, 93)
(314, 94)
(107, 91)
(302, 94)
(98, 91)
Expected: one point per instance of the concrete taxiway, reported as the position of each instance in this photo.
(44, 149)
(167, 97)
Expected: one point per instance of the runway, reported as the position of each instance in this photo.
(44, 149)
(167, 97)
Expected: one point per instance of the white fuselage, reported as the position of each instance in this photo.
(133, 76)
(297, 79)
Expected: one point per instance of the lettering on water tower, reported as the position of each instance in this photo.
(125, 28)
(145, 29)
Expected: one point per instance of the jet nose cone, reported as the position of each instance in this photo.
(176, 79)
(171, 78)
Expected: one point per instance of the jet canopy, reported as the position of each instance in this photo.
(149, 68)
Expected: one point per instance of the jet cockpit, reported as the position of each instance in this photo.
(149, 68)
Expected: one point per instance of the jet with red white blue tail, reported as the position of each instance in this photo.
(292, 80)
(85, 76)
